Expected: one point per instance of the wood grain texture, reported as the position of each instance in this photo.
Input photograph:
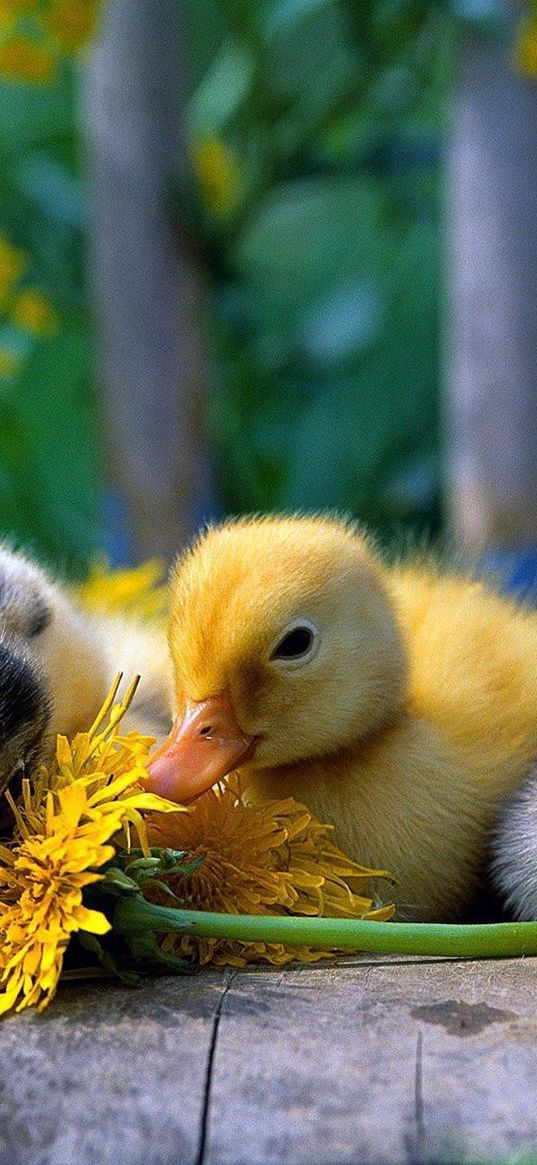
(371, 1061)
(378, 1063)
(108, 1076)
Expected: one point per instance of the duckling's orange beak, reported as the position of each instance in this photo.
(204, 745)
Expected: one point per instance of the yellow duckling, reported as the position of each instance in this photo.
(398, 702)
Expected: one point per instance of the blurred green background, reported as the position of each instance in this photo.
(313, 201)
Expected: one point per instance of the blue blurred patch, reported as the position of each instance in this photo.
(515, 570)
(117, 543)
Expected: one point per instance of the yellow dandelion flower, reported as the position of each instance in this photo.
(47, 872)
(109, 767)
(32, 312)
(22, 59)
(65, 825)
(136, 591)
(71, 22)
(274, 858)
(219, 173)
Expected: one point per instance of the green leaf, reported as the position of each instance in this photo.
(284, 15)
(50, 418)
(31, 115)
(224, 88)
(52, 186)
(345, 320)
(312, 232)
(339, 444)
(489, 16)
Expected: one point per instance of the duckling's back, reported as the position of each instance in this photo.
(472, 668)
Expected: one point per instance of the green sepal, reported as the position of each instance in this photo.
(145, 947)
(126, 875)
(162, 861)
(107, 960)
(116, 882)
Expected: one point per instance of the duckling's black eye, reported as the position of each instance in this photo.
(296, 643)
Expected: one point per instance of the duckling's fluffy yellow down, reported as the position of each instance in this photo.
(406, 712)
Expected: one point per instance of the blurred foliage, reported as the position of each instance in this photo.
(49, 483)
(313, 202)
(316, 130)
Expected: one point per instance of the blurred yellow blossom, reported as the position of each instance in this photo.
(32, 312)
(71, 22)
(136, 591)
(15, 8)
(22, 59)
(32, 47)
(27, 308)
(10, 10)
(525, 49)
(219, 173)
(12, 265)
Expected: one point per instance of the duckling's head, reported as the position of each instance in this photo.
(284, 647)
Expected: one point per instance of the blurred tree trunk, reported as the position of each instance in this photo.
(492, 266)
(147, 289)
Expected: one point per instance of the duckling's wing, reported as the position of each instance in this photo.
(472, 665)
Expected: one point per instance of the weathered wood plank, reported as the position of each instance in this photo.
(377, 1063)
(370, 1061)
(108, 1075)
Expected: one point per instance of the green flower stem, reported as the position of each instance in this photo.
(497, 940)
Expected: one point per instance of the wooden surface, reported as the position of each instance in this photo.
(369, 1061)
